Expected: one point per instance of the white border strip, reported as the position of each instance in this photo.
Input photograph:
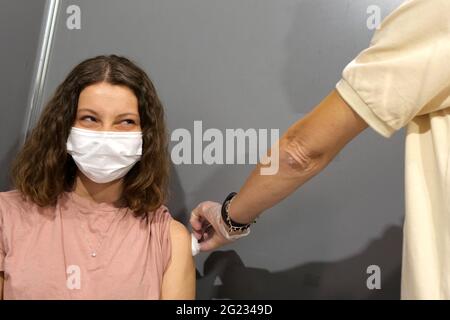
(41, 65)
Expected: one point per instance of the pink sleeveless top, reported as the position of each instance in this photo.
(80, 249)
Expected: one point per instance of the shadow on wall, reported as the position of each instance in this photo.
(226, 276)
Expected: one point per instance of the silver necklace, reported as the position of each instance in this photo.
(93, 253)
(94, 250)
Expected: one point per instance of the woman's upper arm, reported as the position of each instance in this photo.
(179, 277)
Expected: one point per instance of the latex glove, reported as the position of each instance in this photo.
(210, 229)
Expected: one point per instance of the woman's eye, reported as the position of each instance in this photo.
(129, 121)
(88, 117)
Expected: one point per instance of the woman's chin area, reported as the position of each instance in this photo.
(85, 187)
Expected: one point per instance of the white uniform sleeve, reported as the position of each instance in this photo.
(405, 71)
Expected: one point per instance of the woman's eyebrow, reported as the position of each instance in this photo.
(120, 115)
(127, 114)
(87, 109)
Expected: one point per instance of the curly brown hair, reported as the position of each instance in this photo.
(43, 160)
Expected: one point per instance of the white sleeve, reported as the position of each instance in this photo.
(405, 71)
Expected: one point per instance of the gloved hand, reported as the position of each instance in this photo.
(210, 229)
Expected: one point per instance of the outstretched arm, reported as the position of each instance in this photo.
(305, 149)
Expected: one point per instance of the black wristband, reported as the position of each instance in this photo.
(226, 217)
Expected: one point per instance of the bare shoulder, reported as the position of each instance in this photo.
(179, 233)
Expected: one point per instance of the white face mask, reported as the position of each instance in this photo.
(104, 156)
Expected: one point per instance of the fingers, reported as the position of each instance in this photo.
(213, 242)
(200, 214)
(197, 235)
(209, 244)
(196, 220)
(203, 223)
(200, 225)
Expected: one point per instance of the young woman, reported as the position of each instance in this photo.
(86, 218)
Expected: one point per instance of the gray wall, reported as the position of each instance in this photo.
(261, 64)
(20, 23)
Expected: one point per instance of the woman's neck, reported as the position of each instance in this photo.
(99, 192)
